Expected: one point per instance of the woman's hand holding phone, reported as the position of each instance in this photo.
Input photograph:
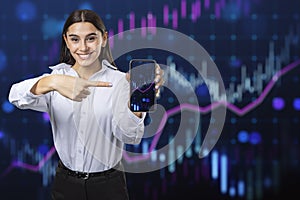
(145, 78)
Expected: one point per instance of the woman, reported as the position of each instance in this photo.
(86, 98)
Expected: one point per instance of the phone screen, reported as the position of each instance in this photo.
(142, 85)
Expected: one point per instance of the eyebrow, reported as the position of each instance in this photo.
(74, 35)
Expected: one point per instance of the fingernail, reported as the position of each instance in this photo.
(156, 86)
(110, 84)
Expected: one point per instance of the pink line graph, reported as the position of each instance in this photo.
(145, 90)
(168, 113)
(30, 167)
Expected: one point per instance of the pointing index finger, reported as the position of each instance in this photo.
(99, 84)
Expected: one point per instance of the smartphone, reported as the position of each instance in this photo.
(142, 85)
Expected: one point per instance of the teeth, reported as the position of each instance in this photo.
(84, 56)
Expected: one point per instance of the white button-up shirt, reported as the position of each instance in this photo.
(88, 136)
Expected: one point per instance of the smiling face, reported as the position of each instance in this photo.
(84, 41)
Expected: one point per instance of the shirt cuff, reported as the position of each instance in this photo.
(135, 118)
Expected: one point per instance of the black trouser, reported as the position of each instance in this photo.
(109, 185)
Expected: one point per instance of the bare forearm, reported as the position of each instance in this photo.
(138, 114)
(44, 85)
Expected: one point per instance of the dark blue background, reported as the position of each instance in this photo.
(261, 146)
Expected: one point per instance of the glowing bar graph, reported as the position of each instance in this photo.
(206, 4)
(171, 155)
(175, 19)
(241, 188)
(183, 9)
(223, 174)
(166, 15)
(120, 28)
(143, 27)
(272, 70)
(131, 21)
(214, 164)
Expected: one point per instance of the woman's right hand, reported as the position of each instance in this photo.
(71, 87)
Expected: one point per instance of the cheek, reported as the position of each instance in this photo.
(98, 48)
(72, 47)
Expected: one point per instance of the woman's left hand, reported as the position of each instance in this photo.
(159, 79)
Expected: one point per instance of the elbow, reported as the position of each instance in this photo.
(12, 99)
(135, 141)
(130, 136)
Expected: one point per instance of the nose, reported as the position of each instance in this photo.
(83, 46)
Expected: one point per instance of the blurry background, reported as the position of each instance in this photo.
(255, 45)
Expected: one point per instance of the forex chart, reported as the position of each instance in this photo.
(228, 117)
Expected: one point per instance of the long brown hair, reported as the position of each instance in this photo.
(84, 16)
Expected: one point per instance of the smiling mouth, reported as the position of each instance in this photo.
(85, 56)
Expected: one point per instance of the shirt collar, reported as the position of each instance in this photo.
(105, 65)
(60, 66)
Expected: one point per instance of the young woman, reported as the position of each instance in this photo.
(86, 98)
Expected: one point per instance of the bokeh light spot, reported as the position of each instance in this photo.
(243, 136)
(7, 107)
(278, 103)
(3, 60)
(26, 11)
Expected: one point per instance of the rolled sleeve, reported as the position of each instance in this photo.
(127, 127)
(21, 97)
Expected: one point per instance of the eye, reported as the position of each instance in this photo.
(91, 38)
(74, 39)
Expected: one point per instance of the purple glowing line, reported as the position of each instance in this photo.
(198, 8)
(29, 167)
(196, 12)
(222, 3)
(120, 28)
(166, 15)
(175, 19)
(193, 15)
(110, 35)
(246, 8)
(183, 9)
(154, 25)
(171, 112)
(143, 27)
(151, 23)
(206, 109)
(217, 10)
(131, 21)
(149, 17)
(145, 90)
(206, 4)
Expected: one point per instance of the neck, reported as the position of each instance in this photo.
(86, 72)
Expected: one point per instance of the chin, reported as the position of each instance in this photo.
(86, 63)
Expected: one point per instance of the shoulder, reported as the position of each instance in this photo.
(60, 68)
(112, 70)
(108, 65)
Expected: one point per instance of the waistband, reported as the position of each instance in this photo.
(85, 175)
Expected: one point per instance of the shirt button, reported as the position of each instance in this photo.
(79, 151)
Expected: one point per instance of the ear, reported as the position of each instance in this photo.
(104, 39)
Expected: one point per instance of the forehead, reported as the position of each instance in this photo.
(82, 28)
